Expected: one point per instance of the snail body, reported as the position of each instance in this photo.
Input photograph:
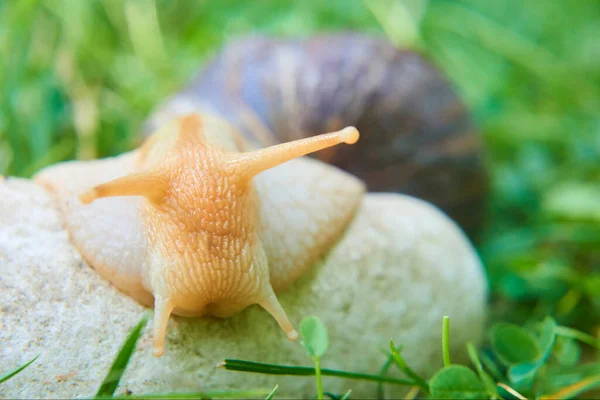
(211, 214)
(188, 215)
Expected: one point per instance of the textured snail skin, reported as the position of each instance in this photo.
(416, 135)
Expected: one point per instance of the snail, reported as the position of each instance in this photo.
(212, 214)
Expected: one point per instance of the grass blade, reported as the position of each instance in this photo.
(412, 393)
(273, 369)
(217, 394)
(14, 372)
(485, 378)
(384, 369)
(512, 391)
(112, 379)
(576, 389)
(577, 335)
(270, 396)
(406, 369)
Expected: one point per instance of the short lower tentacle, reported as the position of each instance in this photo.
(162, 311)
(272, 306)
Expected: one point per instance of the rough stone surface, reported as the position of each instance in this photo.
(399, 268)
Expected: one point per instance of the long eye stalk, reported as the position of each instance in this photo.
(252, 163)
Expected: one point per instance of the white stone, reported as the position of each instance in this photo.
(400, 267)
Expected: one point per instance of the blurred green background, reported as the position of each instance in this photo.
(78, 77)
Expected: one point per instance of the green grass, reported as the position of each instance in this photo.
(77, 78)
(114, 375)
(519, 362)
(532, 362)
(10, 374)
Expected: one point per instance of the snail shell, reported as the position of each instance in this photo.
(416, 135)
